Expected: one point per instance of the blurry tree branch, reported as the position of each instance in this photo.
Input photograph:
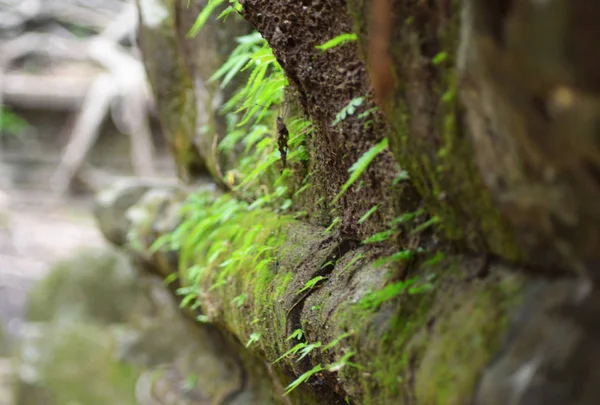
(93, 75)
(93, 14)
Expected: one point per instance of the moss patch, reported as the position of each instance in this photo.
(428, 139)
(466, 334)
(245, 268)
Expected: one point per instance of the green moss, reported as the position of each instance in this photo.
(94, 344)
(429, 348)
(465, 339)
(227, 261)
(383, 340)
(440, 160)
(282, 285)
(395, 351)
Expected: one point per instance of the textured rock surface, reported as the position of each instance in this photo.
(428, 138)
(111, 205)
(506, 165)
(325, 82)
(429, 345)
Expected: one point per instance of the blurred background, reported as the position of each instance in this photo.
(76, 114)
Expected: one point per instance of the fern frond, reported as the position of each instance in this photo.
(358, 168)
(337, 41)
(203, 17)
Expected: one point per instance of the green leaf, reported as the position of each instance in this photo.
(268, 162)
(257, 132)
(239, 300)
(439, 58)
(234, 69)
(297, 334)
(11, 122)
(367, 214)
(307, 349)
(233, 61)
(292, 351)
(235, 6)
(420, 288)
(311, 283)
(254, 337)
(355, 259)
(301, 189)
(348, 109)
(336, 341)
(160, 242)
(338, 365)
(449, 96)
(225, 12)
(402, 255)
(294, 384)
(300, 214)
(286, 205)
(202, 319)
(336, 41)
(406, 217)
(438, 257)
(196, 274)
(230, 140)
(171, 278)
(186, 300)
(378, 237)
(361, 165)
(250, 39)
(256, 78)
(373, 300)
(432, 221)
(402, 176)
(191, 381)
(367, 113)
(335, 221)
(203, 17)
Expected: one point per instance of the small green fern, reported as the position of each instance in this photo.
(254, 337)
(208, 10)
(294, 350)
(311, 283)
(337, 41)
(304, 377)
(358, 168)
(349, 109)
(368, 214)
(297, 334)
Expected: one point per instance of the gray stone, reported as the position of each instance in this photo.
(99, 332)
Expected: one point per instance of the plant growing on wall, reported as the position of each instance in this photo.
(221, 234)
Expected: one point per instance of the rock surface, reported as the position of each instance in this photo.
(99, 332)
